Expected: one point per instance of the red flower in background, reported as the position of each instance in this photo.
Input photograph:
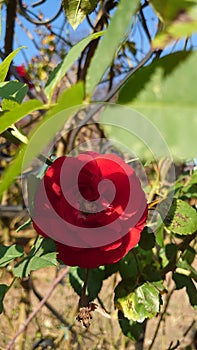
(24, 76)
(93, 206)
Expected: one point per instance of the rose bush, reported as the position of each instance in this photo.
(93, 206)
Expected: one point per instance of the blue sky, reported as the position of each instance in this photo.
(49, 9)
(21, 38)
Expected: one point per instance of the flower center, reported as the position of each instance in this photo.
(88, 207)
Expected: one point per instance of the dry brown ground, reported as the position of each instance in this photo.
(103, 333)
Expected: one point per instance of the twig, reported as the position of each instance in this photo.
(50, 307)
(10, 23)
(181, 248)
(108, 97)
(145, 27)
(37, 309)
(161, 318)
(173, 347)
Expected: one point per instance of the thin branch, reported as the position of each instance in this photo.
(181, 247)
(143, 21)
(161, 318)
(90, 50)
(37, 309)
(10, 23)
(25, 12)
(109, 96)
(52, 310)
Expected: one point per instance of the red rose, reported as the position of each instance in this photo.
(93, 206)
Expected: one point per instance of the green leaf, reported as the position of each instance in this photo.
(144, 302)
(128, 266)
(152, 91)
(150, 272)
(182, 281)
(147, 239)
(167, 11)
(17, 134)
(4, 66)
(54, 120)
(39, 262)
(180, 20)
(13, 90)
(189, 188)
(77, 10)
(95, 280)
(25, 225)
(18, 113)
(3, 290)
(32, 185)
(189, 255)
(181, 217)
(109, 269)
(68, 104)
(130, 329)
(7, 254)
(42, 254)
(0, 20)
(12, 171)
(108, 46)
(8, 105)
(159, 236)
(170, 251)
(75, 280)
(186, 269)
(58, 73)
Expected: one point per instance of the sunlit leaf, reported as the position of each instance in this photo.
(141, 303)
(8, 105)
(42, 254)
(7, 254)
(165, 94)
(4, 66)
(107, 47)
(181, 217)
(77, 10)
(18, 113)
(51, 123)
(58, 73)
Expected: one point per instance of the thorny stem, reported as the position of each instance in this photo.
(37, 309)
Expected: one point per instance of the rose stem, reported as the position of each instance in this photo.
(84, 299)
